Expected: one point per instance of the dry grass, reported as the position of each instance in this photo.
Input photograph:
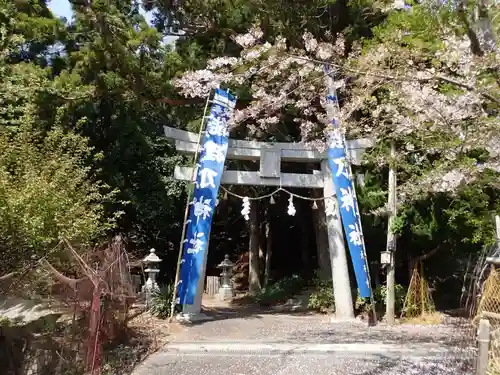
(158, 330)
(494, 362)
(494, 368)
(431, 318)
(242, 299)
(147, 335)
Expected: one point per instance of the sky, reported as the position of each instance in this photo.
(61, 8)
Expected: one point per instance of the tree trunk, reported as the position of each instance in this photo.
(269, 253)
(262, 253)
(321, 233)
(497, 225)
(254, 286)
(375, 272)
(475, 44)
(304, 250)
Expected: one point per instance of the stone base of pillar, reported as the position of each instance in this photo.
(191, 317)
(225, 293)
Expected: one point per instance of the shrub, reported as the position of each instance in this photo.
(280, 291)
(380, 295)
(322, 299)
(161, 301)
(48, 192)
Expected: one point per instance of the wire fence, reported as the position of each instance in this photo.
(481, 300)
(82, 316)
(489, 308)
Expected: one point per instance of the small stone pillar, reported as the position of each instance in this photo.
(151, 263)
(483, 339)
(226, 288)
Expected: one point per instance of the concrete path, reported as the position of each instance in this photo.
(275, 344)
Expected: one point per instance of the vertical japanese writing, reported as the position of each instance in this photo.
(208, 177)
(346, 197)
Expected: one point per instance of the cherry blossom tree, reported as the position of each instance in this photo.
(423, 81)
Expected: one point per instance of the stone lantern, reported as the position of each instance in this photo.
(151, 262)
(226, 288)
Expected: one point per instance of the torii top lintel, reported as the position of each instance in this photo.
(270, 155)
(186, 142)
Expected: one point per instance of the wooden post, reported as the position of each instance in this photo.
(213, 285)
(344, 308)
(497, 223)
(391, 242)
(186, 210)
(483, 340)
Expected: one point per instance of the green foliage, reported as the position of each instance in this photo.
(459, 224)
(380, 296)
(161, 302)
(280, 291)
(322, 298)
(47, 193)
(441, 219)
(6, 322)
(100, 78)
(417, 25)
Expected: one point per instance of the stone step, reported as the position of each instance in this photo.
(279, 348)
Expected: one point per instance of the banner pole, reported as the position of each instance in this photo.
(186, 211)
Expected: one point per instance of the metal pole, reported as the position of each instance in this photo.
(391, 242)
(186, 211)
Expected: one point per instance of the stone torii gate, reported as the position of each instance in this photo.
(270, 156)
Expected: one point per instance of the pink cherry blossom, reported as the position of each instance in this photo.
(415, 109)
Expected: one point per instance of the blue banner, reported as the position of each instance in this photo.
(209, 173)
(349, 210)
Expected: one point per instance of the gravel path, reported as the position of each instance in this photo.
(274, 344)
(315, 328)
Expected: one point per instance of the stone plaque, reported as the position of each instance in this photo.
(270, 162)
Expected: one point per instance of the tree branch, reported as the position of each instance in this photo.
(474, 40)
(423, 257)
(61, 278)
(468, 87)
(404, 78)
(8, 276)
